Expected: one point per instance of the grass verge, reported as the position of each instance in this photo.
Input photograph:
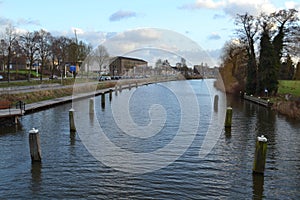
(289, 87)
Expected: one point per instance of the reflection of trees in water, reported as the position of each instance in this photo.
(266, 121)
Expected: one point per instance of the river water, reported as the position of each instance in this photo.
(153, 154)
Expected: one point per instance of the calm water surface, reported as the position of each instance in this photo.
(69, 171)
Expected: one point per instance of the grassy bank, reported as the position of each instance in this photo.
(42, 95)
(36, 96)
(4, 84)
(289, 87)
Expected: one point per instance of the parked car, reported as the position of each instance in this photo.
(53, 77)
(116, 77)
(104, 78)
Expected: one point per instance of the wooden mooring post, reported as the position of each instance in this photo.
(116, 90)
(34, 145)
(216, 102)
(129, 86)
(228, 118)
(260, 155)
(110, 94)
(103, 100)
(136, 84)
(71, 120)
(91, 106)
(120, 88)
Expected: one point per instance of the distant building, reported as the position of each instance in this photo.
(205, 71)
(120, 66)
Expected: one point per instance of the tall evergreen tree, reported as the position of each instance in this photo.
(284, 20)
(268, 66)
(297, 72)
(287, 69)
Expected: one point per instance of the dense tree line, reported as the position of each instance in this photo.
(40, 48)
(261, 54)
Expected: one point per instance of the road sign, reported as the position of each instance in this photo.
(73, 68)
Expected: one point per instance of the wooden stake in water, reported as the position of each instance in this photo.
(120, 88)
(216, 102)
(35, 145)
(71, 120)
(103, 100)
(91, 106)
(116, 90)
(110, 94)
(129, 86)
(136, 84)
(228, 119)
(260, 155)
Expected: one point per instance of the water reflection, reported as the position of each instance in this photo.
(258, 186)
(69, 171)
(72, 138)
(36, 178)
(11, 129)
(228, 132)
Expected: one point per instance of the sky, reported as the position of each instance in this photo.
(208, 23)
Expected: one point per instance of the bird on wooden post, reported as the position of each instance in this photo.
(35, 145)
(260, 155)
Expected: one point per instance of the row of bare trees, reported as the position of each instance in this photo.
(261, 54)
(40, 48)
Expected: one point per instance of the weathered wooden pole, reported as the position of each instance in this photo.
(216, 102)
(16, 119)
(129, 86)
(103, 100)
(71, 120)
(260, 155)
(35, 145)
(116, 91)
(120, 88)
(228, 119)
(110, 94)
(91, 106)
(136, 84)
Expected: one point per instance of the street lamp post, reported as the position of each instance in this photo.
(37, 70)
(28, 68)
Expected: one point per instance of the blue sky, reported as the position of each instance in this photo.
(210, 23)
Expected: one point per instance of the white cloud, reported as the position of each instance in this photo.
(292, 5)
(78, 31)
(210, 4)
(214, 36)
(253, 7)
(25, 22)
(156, 40)
(232, 7)
(121, 14)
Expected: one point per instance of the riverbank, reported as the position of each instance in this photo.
(31, 94)
(37, 98)
(288, 108)
(286, 102)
